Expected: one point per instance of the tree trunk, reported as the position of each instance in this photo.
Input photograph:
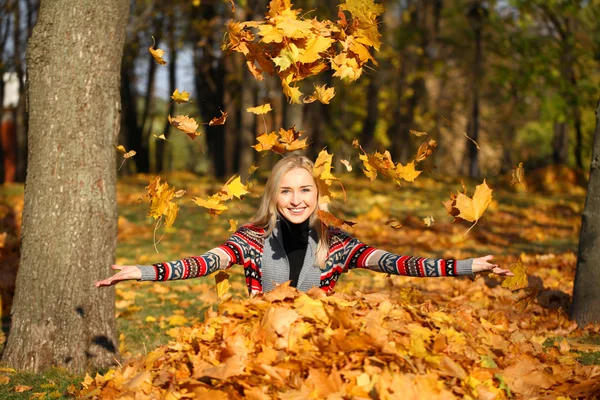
(560, 143)
(163, 163)
(585, 307)
(69, 230)
(247, 124)
(20, 121)
(476, 16)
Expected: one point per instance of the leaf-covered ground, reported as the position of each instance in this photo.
(377, 336)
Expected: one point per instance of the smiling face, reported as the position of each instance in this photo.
(297, 196)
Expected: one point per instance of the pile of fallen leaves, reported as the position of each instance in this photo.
(291, 345)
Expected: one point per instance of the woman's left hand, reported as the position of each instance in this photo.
(482, 264)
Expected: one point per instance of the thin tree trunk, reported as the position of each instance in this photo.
(578, 137)
(162, 159)
(20, 121)
(476, 15)
(560, 143)
(370, 121)
(585, 307)
(69, 229)
(247, 124)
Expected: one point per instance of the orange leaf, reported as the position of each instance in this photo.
(157, 53)
(185, 124)
(219, 120)
(331, 220)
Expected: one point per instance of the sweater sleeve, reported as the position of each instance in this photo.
(360, 255)
(234, 251)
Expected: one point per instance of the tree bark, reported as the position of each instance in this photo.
(585, 307)
(70, 216)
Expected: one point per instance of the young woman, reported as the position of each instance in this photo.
(286, 241)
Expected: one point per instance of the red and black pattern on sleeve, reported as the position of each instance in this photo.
(449, 267)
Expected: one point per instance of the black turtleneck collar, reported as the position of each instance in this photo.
(295, 242)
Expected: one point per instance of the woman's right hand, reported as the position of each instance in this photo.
(126, 273)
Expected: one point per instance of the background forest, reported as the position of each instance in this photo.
(494, 83)
(518, 77)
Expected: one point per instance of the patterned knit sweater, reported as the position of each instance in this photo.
(245, 247)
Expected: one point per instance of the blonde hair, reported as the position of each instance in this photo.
(267, 213)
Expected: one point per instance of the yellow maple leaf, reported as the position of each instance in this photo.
(313, 47)
(213, 204)
(519, 280)
(322, 94)
(289, 56)
(471, 209)
(161, 204)
(233, 225)
(259, 110)
(235, 188)
(266, 141)
(311, 308)
(187, 125)
(223, 286)
(157, 53)
(180, 98)
(407, 172)
(428, 221)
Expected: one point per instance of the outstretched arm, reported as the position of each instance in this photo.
(234, 251)
(360, 255)
(185, 268)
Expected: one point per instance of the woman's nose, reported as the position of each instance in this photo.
(295, 198)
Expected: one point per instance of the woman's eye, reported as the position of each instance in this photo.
(285, 191)
(306, 190)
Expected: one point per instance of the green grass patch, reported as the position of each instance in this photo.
(56, 383)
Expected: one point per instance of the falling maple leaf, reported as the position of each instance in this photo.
(219, 120)
(161, 201)
(331, 220)
(213, 204)
(180, 98)
(284, 141)
(260, 110)
(161, 137)
(322, 94)
(233, 225)
(519, 280)
(347, 165)
(425, 150)
(428, 221)
(417, 133)
(157, 53)
(232, 188)
(470, 209)
(518, 175)
(223, 286)
(251, 169)
(381, 163)
(185, 124)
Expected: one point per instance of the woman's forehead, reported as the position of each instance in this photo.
(297, 177)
